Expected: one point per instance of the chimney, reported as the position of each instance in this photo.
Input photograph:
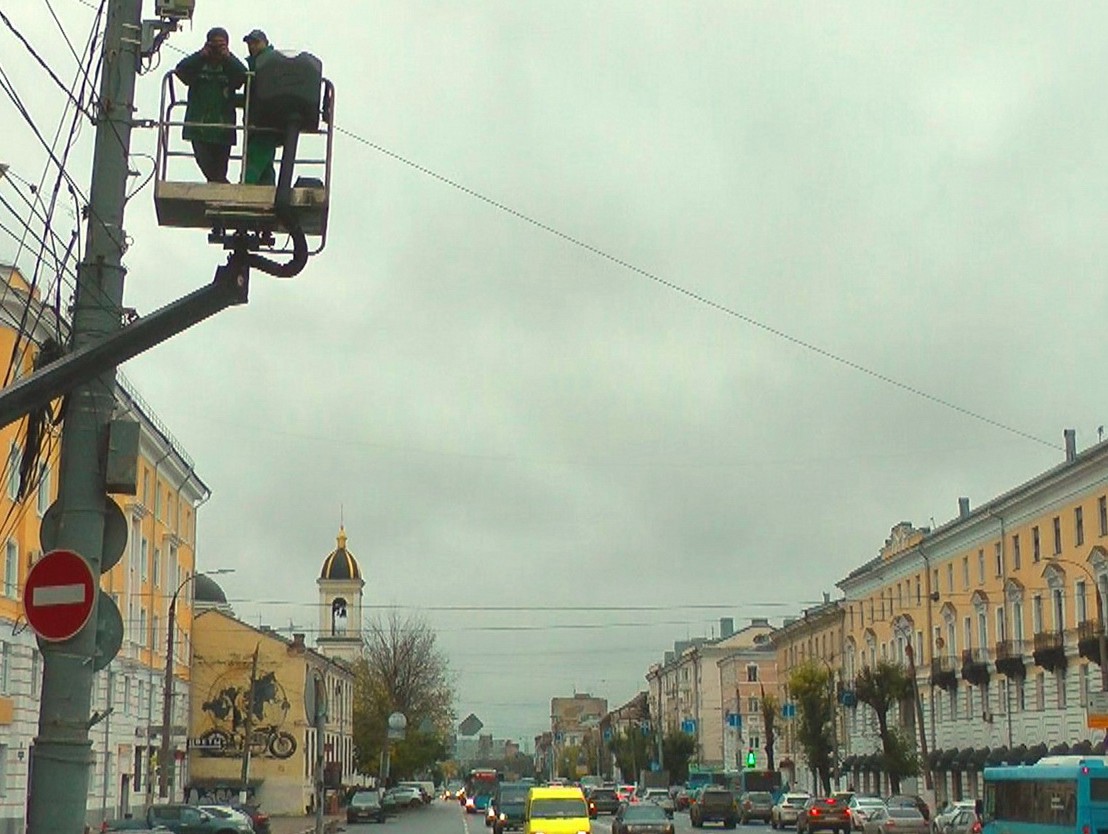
(298, 641)
(726, 627)
(963, 508)
(1071, 444)
(826, 598)
(759, 621)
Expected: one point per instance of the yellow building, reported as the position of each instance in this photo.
(282, 751)
(1000, 606)
(159, 530)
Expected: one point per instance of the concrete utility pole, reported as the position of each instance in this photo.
(249, 728)
(63, 750)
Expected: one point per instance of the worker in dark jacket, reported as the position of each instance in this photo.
(261, 146)
(212, 76)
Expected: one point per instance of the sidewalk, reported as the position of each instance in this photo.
(304, 824)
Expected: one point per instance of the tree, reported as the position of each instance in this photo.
(810, 685)
(677, 749)
(631, 749)
(880, 687)
(402, 670)
(770, 707)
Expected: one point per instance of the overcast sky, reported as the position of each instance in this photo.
(509, 419)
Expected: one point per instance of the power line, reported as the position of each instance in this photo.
(695, 296)
(41, 62)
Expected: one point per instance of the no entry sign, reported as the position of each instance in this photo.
(58, 595)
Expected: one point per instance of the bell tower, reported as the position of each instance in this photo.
(340, 604)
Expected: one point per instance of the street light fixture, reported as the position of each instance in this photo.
(167, 693)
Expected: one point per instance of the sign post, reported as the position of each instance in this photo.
(1096, 713)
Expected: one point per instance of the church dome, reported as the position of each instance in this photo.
(340, 564)
(207, 591)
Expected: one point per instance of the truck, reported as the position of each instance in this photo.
(654, 779)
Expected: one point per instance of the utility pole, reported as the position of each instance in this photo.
(63, 749)
(248, 729)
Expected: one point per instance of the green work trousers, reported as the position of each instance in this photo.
(261, 150)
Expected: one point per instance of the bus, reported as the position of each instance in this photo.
(1059, 793)
(756, 780)
(481, 784)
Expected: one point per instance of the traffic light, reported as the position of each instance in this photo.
(751, 758)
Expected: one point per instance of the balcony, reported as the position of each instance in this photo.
(1009, 658)
(975, 666)
(1050, 650)
(1088, 639)
(943, 673)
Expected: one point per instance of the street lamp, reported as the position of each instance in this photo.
(167, 694)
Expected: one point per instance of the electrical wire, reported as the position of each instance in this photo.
(698, 297)
(42, 63)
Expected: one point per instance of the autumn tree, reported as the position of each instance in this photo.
(402, 670)
(810, 685)
(770, 707)
(881, 687)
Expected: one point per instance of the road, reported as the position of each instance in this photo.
(448, 818)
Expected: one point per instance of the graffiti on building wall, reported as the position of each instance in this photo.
(226, 709)
(218, 794)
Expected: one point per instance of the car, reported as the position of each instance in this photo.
(365, 806)
(135, 826)
(642, 818)
(258, 817)
(965, 821)
(660, 797)
(626, 793)
(784, 811)
(681, 799)
(187, 819)
(896, 820)
(556, 810)
(755, 805)
(861, 807)
(909, 801)
(510, 802)
(402, 797)
(453, 789)
(949, 811)
(823, 813)
(229, 812)
(714, 804)
(603, 801)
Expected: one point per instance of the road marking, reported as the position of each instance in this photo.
(58, 595)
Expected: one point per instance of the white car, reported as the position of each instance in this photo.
(239, 819)
(784, 811)
(861, 807)
(943, 818)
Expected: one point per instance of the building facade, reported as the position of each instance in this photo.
(157, 533)
(747, 677)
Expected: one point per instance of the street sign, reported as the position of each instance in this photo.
(58, 595)
(788, 710)
(315, 698)
(688, 726)
(734, 720)
(115, 532)
(471, 726)
(109, 632)
(1096, 714)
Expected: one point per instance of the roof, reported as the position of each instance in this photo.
(340, 564)
(207, 590)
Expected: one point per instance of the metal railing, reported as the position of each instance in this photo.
(1010, 650)
(975, 657)
(1049, 641)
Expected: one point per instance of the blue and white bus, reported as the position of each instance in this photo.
(1059, 794)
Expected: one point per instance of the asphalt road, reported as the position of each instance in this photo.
(441, 817)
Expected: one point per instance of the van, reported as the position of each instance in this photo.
(556, 810)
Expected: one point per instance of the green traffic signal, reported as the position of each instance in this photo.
(751, 759)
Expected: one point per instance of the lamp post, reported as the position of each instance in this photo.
(167, 694)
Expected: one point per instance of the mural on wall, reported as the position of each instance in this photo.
(226, 711)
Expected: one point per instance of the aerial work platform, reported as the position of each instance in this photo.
(183, 199)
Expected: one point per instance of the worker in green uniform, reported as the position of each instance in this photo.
(212, 76)
(261, 146)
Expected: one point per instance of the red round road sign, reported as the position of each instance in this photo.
(58, 596)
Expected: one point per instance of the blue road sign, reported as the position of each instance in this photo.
(688, 726)
(788, 710)
(607, 733)
(734, 720)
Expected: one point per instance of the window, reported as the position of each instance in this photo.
(1037, 614)
(1079, 602)
(753, 706)
(11, 569)
(146, 489)
(157, 569)
(1040, 692)
(1021, 695)
(15, 455)
(1001, 624)
(1083, 684)
(919, 591)
(950, 578)
(981, 565)
(157, 502)
(143, 636)
(969, 702)
(1058, 607)
(1078, 526)
(1016, 551)
(1060, 687)
(1057, 535)
(1036, 546)
(36, 672)
(1017, 619)
(43, 502)
(155, 632)
(752, 673)
(983, 627)
(5, 667)
(143, 559)
(967, 630)
(998, 558)
(965, 571)
(1102, 511)
(126, 694)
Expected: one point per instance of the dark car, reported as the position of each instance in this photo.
(755, 805)
(258, 817)
(681, 799)
(508, 804)
(824, 813)
(642, 818)
(714, 804)
(188, 819)
(603, 801)
(907, 801)
(365, 806)
(135, 826)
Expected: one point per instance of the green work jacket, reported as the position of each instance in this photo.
(211, 101)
